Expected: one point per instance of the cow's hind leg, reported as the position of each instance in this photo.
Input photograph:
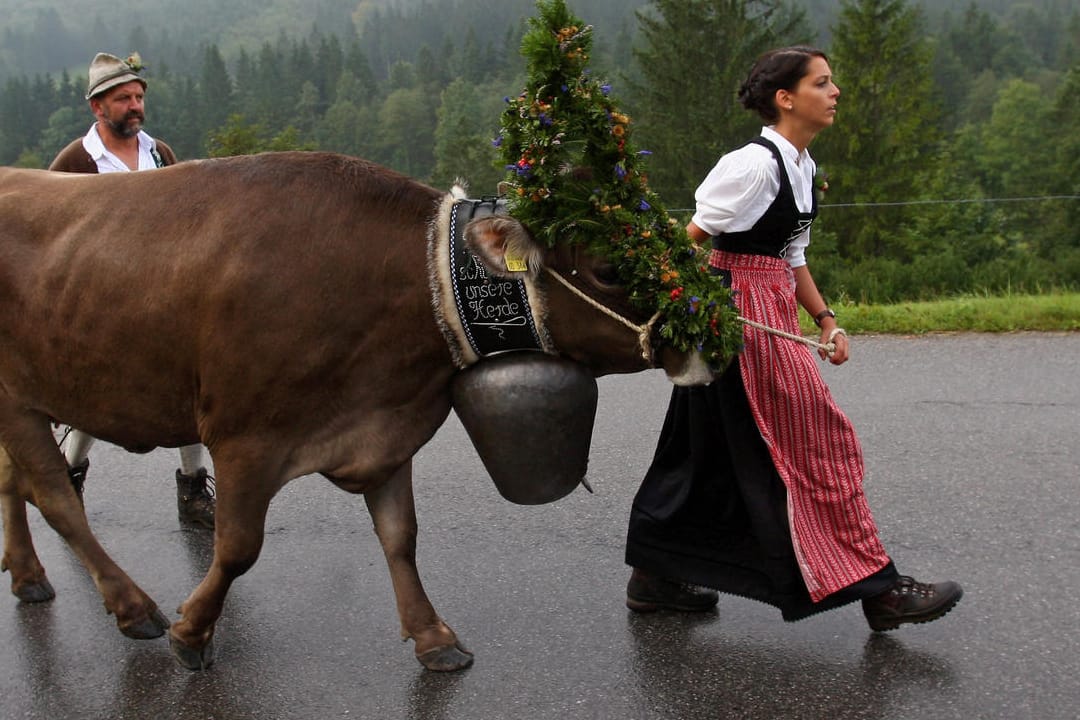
(28, 581)
(33, 450)
(393, 511)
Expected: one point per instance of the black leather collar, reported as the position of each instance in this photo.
(494, 311)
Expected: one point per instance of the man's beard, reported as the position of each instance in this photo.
(123, 129)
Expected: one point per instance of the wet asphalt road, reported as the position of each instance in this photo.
(974, 465)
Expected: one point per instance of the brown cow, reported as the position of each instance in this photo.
(297, 291)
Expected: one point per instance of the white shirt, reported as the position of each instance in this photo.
(743, 184)
(107, 162)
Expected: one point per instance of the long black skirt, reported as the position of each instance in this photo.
(712, 510)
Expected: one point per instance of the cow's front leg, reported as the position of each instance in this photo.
(239, 523)
(394, 514)
(28, 581)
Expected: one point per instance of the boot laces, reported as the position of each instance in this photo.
(910, 586)
(209, 488)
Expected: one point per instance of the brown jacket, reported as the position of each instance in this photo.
(74, 157)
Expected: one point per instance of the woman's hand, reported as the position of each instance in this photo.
(807, 294)
(838, 337)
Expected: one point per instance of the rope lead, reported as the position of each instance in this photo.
(645, 331)
(829, 347)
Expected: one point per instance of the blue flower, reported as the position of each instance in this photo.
(620, 172)
(644, 152)
(643, 206)
(605, 88)
(497, 141)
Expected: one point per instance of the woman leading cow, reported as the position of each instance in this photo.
(756, 485)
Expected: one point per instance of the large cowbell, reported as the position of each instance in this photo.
(530, 417)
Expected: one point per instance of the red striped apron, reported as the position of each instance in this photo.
(812, 442)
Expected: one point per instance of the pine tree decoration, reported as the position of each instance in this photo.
(574, 175)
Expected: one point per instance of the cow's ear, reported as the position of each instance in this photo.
(504, 246)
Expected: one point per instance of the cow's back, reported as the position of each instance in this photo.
(216, 281)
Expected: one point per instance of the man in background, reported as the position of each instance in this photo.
(116, 142)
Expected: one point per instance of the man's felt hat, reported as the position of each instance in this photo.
(107, 71)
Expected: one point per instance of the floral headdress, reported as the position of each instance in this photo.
(574, 174)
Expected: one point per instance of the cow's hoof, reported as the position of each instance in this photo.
(152, 626)
(192, 658)
(35, 592)
(446, 659)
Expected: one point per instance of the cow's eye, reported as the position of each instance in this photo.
(606, 274)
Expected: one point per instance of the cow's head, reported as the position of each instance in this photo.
(579, 308)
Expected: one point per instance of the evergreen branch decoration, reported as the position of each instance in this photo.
(574, 174)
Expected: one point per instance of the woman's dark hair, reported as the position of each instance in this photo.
(779, 69)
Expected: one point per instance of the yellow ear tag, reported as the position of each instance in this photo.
(516, 264)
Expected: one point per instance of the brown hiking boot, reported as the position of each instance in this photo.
(647, 593)
(910, 601)
(195, 498)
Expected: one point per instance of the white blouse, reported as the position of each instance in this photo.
(743, 184)
(107, 162)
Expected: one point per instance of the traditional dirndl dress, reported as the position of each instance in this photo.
(756, 485)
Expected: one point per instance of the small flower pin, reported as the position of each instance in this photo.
(823, 183)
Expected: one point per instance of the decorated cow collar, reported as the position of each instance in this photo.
(480, 314)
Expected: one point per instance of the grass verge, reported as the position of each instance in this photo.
(970, 313)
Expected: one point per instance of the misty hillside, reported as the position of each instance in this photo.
(50, 36)
(953, 168)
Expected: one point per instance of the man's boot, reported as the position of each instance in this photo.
(195, 498)
(77, 473)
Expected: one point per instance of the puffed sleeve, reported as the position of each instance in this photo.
(735, 193)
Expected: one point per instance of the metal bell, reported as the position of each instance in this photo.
(530, 417)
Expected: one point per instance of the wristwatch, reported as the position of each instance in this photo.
(822, 315)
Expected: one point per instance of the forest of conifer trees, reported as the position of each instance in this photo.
(952, 166)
